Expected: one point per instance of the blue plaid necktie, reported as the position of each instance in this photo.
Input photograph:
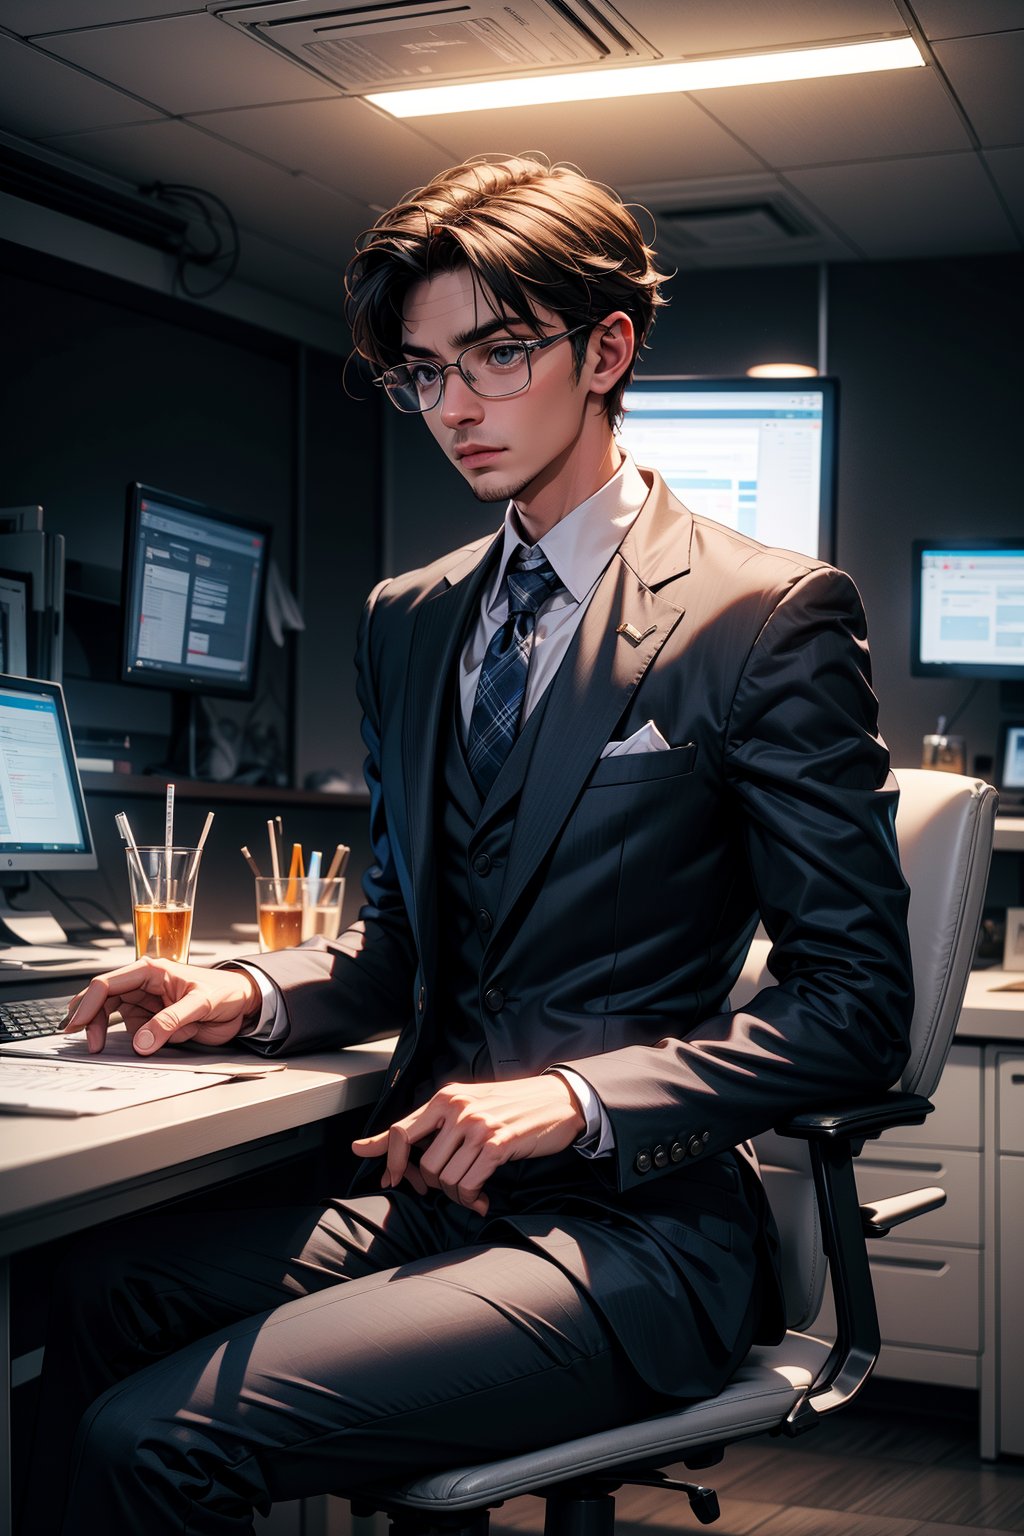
(529, 581)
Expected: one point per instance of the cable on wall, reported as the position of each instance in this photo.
(203, 245)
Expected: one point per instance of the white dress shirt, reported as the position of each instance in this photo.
(579, 549)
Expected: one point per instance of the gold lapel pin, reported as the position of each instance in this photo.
(634, 635)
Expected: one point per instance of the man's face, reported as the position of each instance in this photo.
(501, 447)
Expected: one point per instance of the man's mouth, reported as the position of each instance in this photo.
(476, 455)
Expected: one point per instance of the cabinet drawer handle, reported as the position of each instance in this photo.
(886, 1261)
(902, 1164)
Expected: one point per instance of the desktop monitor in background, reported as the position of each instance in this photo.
(968, 609)
(43, 821)
(756, 454)
(192, 598)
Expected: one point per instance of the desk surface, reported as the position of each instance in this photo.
(57, 1175)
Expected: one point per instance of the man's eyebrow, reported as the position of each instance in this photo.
(467, 338)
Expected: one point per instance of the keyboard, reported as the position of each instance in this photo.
(28, 1019)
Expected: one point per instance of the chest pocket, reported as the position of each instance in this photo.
(644, 767)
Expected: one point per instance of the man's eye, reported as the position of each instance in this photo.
(422, 374)
(505, 354)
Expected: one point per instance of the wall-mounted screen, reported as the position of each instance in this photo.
(756, 454)
(968, 608)
(193, 595)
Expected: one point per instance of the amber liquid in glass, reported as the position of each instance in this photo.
(280, 927)
(324, 921)
(163, 931)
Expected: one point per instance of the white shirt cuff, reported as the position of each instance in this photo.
(273, 1019)
(598, 1139)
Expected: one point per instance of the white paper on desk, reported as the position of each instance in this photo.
(118, 1051)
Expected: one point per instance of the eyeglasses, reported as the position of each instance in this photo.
(492, 369)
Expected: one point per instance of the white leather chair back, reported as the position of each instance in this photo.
(944, 826)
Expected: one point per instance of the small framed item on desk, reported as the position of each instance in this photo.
(1010, 767)
(1013, 951)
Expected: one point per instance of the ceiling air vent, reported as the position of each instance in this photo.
(733, 227)
(392, 44)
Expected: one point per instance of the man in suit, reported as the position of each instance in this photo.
(600, 744)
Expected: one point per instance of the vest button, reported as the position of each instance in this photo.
(494, 999)
(485, 920)
(660, 1157)
(482, 864)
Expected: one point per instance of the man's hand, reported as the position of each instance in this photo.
(473, 1128)
(161, 1000)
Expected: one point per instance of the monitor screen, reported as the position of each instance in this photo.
(193, 595)
(756, 454)
(968, 608)
(43, 820)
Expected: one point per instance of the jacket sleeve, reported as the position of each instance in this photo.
(359, 985)
(809, 775)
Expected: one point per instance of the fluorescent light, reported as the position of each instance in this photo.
(782, 371)
(653, 79)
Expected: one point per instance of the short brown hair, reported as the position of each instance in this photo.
(528, 231)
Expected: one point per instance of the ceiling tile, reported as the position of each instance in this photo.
(709, 26)
(898, 208)
(955, 18)
(610, 140)
(344, 143)
(289, 208)
(41, 95)
(1007, 166)
(188, 64)
(850, 117)
(30, 17)
(987, 74)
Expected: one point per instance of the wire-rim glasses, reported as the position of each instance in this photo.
(492, 369)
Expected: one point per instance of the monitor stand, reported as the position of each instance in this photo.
(182, 756)
(20, 927)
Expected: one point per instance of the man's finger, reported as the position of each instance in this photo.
(178, 1021)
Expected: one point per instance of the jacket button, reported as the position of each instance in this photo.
(485, 920)
(494, 999)
(421, 1000)
(660, 1157)
(642, 1162)
(677, 1152)
(695, 1146)
(482, 864)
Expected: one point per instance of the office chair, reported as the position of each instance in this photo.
(944, 826)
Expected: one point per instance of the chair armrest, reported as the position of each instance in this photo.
(858, 1118)
(878, 1217)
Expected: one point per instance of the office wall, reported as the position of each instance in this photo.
(927, 355)
(106, 382)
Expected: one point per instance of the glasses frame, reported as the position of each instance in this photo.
(529, 344)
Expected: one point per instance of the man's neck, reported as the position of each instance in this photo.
(565, 486)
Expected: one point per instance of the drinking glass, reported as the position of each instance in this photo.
(163, 888)
(279, 904)
(322, 914)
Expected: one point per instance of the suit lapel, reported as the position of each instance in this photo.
(438, 631)
(596, 680)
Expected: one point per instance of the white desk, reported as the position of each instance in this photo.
(58, 1176)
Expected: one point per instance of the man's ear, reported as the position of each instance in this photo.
(610, 352)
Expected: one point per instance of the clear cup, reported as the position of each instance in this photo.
(322, 914)
(279, 911)
(163, 888)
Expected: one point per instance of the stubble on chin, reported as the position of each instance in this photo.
(487, 494)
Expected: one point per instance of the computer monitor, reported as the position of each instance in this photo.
(756, 454)
(193, 585)
(967, 601)
(43, 820)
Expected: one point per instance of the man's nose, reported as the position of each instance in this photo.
(459, 404)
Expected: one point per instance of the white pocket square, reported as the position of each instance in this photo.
(647, 739)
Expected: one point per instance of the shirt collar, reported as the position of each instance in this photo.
(581, 545)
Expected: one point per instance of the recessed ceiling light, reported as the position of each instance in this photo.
(782, 371)
(653, 79)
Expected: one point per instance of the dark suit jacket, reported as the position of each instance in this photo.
(634, 883)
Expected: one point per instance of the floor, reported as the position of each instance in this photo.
(902, 1461)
